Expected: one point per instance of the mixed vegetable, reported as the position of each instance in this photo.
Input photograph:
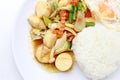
(56, 23)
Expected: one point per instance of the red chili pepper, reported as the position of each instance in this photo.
(88, 13)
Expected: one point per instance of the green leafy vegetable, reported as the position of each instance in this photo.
(74, 13)
(47, 21)
(73, 7)
(70, 44)
(70, 19)
(55, 5)
(81, 7)
(90, 24)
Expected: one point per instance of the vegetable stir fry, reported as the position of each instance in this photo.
(56, 23)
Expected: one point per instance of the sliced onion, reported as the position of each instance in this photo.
(80, 22)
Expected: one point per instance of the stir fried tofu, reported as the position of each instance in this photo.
(63, 62)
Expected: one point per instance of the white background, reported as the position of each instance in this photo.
(8, 14)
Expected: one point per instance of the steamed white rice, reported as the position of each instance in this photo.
(97, 51)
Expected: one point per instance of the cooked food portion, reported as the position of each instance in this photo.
(106, 11)
(58, 25)
(55, 23)
(97, 51)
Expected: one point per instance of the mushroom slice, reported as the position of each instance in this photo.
(54, 13)
(36, 22)
(37, 34)
(43, 9)
(52, 53)
(54, 26)
(60, 42)
(49, 39)
(80, 22)
(71, 30)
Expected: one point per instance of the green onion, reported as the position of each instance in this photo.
(90, 24)
(70, 44)
(73, 7)
(70, 19)
(74, 14)
(81, 7)
(55, 5)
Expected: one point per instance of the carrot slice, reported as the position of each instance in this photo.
(64, 15)
(55, 31)
(59, 32)
(74, 2)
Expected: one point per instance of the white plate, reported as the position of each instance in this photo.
(28, 67)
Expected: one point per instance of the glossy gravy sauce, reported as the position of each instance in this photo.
(48, 67)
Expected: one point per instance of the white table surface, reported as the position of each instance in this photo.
(8, 13)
